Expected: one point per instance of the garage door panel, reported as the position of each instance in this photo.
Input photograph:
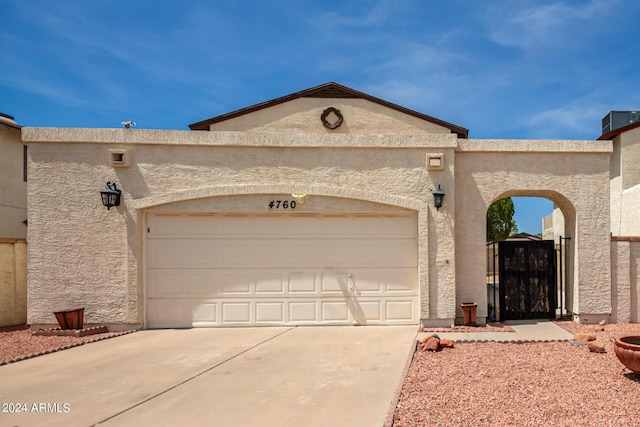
(367, 284)
(334, 283)
(235, 253)
(303, 311)
(199, 253)
(400, 310)
(334, 311)
(397, 252)
(231, 226)
(302, 283)
(216, 270)
(236, 312)
(269, 282)
(371, 311)
(201, 283)
(204, 312)
(266, 254)
(301, 253)
(168, 313)
(233, 282)
(302, 227)
(165, 253)
(167, 283)
(166, 225)
(200, 226)
(270, 312)
(268, 227)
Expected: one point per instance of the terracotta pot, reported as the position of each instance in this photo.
(70, 319)
(469, 313)
(627, 349)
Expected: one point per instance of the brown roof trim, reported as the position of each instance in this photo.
(616, 132)
(8, 120)
(328, 90)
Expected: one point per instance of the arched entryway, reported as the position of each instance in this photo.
(527, 268)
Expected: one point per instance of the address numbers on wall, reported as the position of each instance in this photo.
(282, 204)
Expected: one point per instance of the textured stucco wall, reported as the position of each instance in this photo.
(13, 189)
(625, 184)
(573, 174)
(92, 256)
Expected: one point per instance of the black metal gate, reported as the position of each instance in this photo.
(527, 274)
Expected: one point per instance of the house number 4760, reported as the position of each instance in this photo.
(282, 204)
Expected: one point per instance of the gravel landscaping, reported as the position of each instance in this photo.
(476, 384)
(18, 343)
(530, 384)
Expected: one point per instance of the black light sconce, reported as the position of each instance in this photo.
(438, 197)
(110, 195)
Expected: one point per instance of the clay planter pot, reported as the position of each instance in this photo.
(70, 319)
(469, 313)
(627, 349)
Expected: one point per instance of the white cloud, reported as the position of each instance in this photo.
(579, 119)
(545, 25)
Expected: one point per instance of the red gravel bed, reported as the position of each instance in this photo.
(530, 384)
(18, 343)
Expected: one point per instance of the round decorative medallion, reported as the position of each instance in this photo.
(331, 118)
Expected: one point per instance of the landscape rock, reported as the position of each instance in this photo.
(584, 337)
(431, 344)
(446, 343)
(596, 347)
(426, 337)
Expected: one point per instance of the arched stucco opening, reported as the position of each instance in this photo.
(550, 239)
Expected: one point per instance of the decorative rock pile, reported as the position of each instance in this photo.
(434, 343)
(591, 339)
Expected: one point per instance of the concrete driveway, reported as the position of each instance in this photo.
(311, 376)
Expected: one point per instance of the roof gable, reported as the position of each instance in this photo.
(328, 90)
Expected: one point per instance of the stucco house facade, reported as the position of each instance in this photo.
(314, 208)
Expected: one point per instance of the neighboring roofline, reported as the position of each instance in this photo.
(616, 132)
(328, 90)
(8, 120)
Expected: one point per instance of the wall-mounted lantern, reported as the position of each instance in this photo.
(110, 195)
(438, 197)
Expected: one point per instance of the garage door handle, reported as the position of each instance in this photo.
(353, 290)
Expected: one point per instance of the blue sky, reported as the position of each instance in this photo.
(502, 69)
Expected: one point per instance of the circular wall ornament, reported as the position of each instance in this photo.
(332, 118)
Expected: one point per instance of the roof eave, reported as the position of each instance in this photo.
(328, 90)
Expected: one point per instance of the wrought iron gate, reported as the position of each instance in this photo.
(528, 288)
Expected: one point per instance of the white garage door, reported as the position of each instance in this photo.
(219, 270)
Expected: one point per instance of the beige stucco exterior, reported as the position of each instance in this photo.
(625, 183)
(13, 188)
(375, 162)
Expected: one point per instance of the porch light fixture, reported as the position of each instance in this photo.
(438, 197)
(110, 195)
